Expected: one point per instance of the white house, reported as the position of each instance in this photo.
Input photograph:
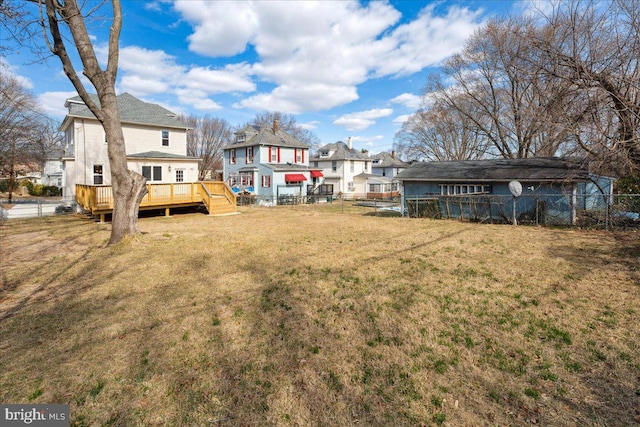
(53, 168)
(268, 163)
(341, 164)
(155, 141)
(381, 184)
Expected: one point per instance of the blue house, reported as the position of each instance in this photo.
(268, 163)
(555, 190)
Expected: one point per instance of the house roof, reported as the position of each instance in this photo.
(131, 109)
(341, 152)
(389, 161)
(503, 170)
(159, 155)
(374, 179)
(265, 136)
(286, 167)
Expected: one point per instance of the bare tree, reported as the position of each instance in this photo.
(593, 49)
(128, 186)
(502, 94)
(439, 133)
(24, 129)
(288, 124)
(205, 139)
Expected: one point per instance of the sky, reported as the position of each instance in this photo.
(342, 68)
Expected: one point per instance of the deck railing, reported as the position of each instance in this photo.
(99, 198)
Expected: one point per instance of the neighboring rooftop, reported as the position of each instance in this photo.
(132, 110)
(339, 151)
(266, 135)
(503, 170)
(388, 160)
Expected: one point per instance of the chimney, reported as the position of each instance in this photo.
(393, 154)
(350, 147)
(276, 126)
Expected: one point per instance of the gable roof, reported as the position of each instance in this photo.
(131, 109)
(341, 152)
(265, 136)
(388, 160)
(502, 170)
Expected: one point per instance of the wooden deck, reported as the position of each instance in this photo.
(215, 196)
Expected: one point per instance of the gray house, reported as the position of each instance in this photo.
(554, 190)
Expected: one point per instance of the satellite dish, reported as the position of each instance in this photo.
(516, 188)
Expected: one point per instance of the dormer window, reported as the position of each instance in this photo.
(324, 154)
(241, 138)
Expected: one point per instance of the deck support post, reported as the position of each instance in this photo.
(102, 217)
(166, 212)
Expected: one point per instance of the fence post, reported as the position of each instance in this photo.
(608, 204)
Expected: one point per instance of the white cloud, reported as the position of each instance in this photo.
(231, 79)
(428, 40)
(309, 125)
(311, 55)
(367, 141)
(409, 100)
(401, 119)
(535, 7)
(53, 102)
(10, 70)
(362, 120)
(295, 100)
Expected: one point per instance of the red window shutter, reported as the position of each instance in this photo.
(278, 154)
(303, 155)
(246, 155)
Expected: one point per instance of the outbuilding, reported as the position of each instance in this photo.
(554, 189)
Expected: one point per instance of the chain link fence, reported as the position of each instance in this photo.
(582, 210)
(35, 207)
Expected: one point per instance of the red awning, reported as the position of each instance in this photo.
(316, 174)
(294, 177)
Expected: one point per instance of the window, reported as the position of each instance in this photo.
(266, 181)
(105, 137)
(165, 138)
(232, 156)
(298, 154)
(351, 165)
(179, 175)
(249, 155)
(246, 179)
(384, 172)
(315, 164)
(366, 166)
(241, 138)
(334, 165)
(97, 175)
(157, 173)
(455, 189)
(351, 187)
(274, 154)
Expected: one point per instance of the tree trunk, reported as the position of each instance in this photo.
(128, 187)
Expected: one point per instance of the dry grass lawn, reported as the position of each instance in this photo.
(321, 316)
